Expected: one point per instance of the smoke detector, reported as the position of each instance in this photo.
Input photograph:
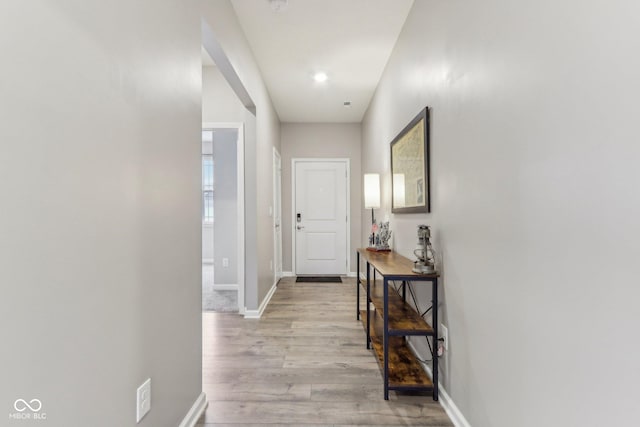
(278, 5)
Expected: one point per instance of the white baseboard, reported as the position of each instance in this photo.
(444, 399)
(195, 412)
(225, 287)
(451, 409)
(256, 314)
(351, 274)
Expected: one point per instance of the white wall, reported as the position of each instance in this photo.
(320, 140)
(99, 216)
(207, 243)
(219, 103)
(535, 208)
(220, 17)
(225, 207)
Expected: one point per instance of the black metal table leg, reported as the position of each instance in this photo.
(386, 338)
(358, 285)
(368, 305)
(434, 319)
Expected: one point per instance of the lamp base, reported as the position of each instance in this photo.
(374, 249)
(421, 268)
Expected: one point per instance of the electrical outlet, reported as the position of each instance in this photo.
(444, 334)
(225, 262)
(143, 400)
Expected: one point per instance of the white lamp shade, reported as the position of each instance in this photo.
(371, 190)
(398, 190)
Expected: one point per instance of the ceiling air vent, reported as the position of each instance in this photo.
(278, 5)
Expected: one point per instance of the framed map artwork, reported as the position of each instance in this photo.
(410, 167)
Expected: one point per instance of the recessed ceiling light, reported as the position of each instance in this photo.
(320, 77)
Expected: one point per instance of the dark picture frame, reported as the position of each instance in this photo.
(410, 189)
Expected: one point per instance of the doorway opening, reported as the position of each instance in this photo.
(223, 217)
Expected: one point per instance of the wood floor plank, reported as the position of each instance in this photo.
(258, 392)
(288, 375)
(349, 325)
(237, 361)
(315, 361)
(266, 350)
(304, 363)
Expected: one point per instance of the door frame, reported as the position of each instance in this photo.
(240, 203)
(294, 162)
(277, 269)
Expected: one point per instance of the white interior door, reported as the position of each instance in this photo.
(277, 215)
(320, 217)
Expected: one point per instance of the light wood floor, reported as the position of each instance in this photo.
(303, 364)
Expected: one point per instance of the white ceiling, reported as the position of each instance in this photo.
(350, 40)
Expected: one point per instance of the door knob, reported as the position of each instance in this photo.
(300, 227)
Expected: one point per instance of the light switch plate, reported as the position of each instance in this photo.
(143, 400)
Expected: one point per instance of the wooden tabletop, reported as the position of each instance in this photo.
(393, 264)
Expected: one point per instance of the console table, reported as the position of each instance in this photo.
(393, 319)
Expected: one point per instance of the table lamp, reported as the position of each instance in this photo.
(372, 200)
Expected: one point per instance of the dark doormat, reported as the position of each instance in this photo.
(319, 279)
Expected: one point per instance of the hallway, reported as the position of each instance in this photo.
(303, 363)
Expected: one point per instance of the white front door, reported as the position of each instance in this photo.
(320, 217)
